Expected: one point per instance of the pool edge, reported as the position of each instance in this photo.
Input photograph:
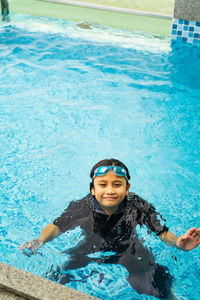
(118, 20)
(20, 284)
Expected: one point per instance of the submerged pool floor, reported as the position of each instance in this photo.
(70, 97)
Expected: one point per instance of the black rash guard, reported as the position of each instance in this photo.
(117, 233)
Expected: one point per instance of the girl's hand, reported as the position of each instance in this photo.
(190, 240)
(32, 245)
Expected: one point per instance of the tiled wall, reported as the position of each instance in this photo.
(186, 31)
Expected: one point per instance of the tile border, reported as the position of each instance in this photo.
(186, 31)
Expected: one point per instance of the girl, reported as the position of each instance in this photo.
(108, 217)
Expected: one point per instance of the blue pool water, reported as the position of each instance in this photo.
(70, 97)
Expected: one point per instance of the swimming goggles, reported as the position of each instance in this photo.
(103, 170)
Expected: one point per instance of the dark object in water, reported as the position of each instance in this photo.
(4, 10)
(84, 25)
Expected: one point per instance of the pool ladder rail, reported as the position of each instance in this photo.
(5, 10)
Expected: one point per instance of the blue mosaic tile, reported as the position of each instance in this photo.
(186, 28)
(175, 21)
(192, 23)
(196, 35)
(186, 22)
(185, 33)
(197, 30)
(184, 39)
(191, 28)
(190, 34)
(190, 40)
(198, 24)
(180, 21)
(174, 26)
(179, 32)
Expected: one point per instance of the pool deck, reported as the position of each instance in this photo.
(18, 284)
(126, 21)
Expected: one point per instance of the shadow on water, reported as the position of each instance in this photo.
(185, 61)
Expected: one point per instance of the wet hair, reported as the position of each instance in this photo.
(108, 162)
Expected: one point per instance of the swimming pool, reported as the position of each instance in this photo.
(70, 97)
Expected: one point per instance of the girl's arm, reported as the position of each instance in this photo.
(186, 242)
(169, 238)
(47, 234)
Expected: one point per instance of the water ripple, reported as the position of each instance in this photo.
(69, 97)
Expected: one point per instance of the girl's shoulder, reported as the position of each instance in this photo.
(80, 203)
(88, 200)
(137, 201)
(134, 198)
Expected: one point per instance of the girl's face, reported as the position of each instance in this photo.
(110, 190)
